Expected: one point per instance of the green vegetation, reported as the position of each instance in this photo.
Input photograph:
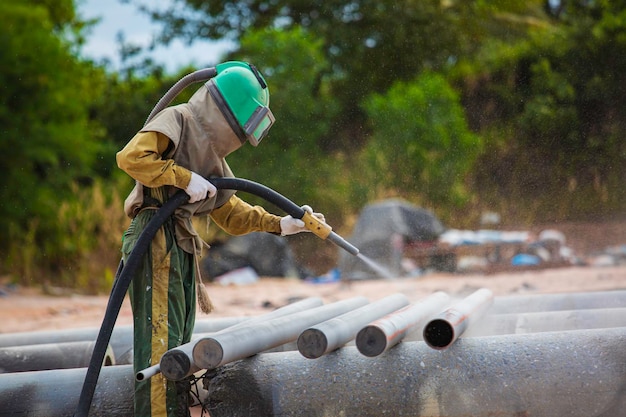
(458, 106)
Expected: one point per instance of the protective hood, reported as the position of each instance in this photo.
(202, 138)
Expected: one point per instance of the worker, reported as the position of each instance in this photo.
(180, 148)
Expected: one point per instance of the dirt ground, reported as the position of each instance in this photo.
(25, 309)
(28, 310)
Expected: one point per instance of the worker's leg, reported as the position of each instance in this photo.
(161, 315)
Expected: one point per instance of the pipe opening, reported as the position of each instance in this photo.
(438, 334)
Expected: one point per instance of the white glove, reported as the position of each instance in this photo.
(198, 188)
(291, 226)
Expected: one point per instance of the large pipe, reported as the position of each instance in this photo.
(445, 328)
(50, 356)
(561, 301)
(331, 334)
(574, 374)
(55, 393)
(381, 335)
(177, 364)
(246, 341)
(550, 321)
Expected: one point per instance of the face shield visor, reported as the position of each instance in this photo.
(258, 125)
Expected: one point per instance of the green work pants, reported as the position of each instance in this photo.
(162, 296)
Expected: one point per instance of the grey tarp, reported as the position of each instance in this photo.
(269, 255)
(381, 231)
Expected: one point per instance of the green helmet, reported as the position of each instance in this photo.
(241, 93)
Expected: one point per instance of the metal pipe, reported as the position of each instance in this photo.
(381, 335)
(246, 341)
(148, 373)
(121, 338)
(177, 363)
(560, 301)
(551, 321)
(574, 374)
(50, 356)
(55, 393)
(331, 334)
(444, 329)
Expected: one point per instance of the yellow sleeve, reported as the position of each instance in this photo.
(237, 217)
(142, 159)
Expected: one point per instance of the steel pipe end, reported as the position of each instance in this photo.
(439, 334)
(312, 343)
(175, 365)
(371, 341)
(208, 353)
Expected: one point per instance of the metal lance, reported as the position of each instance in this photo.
(574, 374)
(381, 335)
(444, 329)
(246, 341)
(177, 364)
(331, 334)
(554, 302)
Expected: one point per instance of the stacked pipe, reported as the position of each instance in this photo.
(375, 328)
(557, 354)
(178, 363)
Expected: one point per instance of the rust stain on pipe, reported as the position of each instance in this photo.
(444, 329)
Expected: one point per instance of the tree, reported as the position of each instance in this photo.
(45, 144)
(370, 44)
(554, 103)
(420, 144)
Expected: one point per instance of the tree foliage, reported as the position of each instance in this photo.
(369, 44)
(44, 113)
(420, 141)
(559, 96)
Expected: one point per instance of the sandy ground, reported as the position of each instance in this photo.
(28, 310)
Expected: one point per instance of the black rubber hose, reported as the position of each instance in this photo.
(118, 292)
(260, 190)
(125, 272)
(194, 77)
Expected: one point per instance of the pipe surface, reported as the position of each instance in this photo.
(55, 393)
(445, 328)
(560, 301)
(574, 374)
(50, 356)
(381, 335)
(177, 364)
(331, 334)
(241, 343)
(121, 338)
(551, 321)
